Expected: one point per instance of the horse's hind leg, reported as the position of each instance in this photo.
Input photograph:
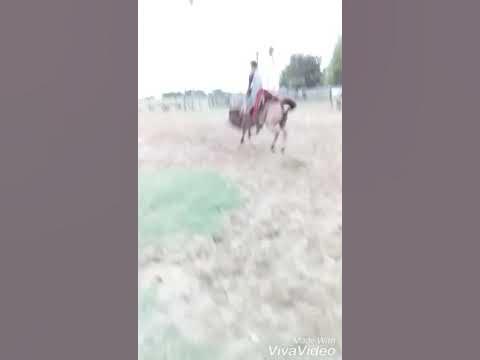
(243, 135)
(244, 130)
(260, 121)
(258, 127)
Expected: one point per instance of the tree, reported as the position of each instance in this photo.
(303, 71)
(334, 70)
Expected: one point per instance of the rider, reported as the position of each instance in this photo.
(254, 87)
(271, 74)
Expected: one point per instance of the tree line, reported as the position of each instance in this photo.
(304, 71)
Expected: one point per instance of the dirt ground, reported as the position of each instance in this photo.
(274, 273)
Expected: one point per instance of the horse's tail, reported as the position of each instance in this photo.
(235, 118)
(290, 103)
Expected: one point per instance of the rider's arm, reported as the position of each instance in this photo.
(249, 90)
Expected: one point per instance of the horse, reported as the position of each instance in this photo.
(273, 113)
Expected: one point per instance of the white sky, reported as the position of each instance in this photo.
(210, 45)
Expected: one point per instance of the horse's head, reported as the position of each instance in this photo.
(289, 103)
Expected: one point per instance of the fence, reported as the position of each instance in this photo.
(319, 93)
(224, 100)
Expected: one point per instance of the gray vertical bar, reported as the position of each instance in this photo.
(68, 155)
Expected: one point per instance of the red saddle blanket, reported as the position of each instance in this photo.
(262, 97)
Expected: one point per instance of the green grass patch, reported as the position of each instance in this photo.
(173, 201)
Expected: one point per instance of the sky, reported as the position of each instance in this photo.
(209, 45)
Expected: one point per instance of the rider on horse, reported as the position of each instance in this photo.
(256, 94)
(270, 73)
(254, 87)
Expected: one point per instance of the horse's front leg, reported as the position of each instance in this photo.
(284, 133)
(274, 140)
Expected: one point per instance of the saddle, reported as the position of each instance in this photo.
(262, 97)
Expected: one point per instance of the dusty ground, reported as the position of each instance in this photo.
(273, 273)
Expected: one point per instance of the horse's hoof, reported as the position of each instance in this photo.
(283, 150)
(272, 149)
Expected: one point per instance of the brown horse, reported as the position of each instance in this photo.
(272, 113)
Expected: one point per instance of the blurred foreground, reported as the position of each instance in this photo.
(239, 249)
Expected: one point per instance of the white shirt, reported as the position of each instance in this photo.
(271, 76)
(256, 82)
